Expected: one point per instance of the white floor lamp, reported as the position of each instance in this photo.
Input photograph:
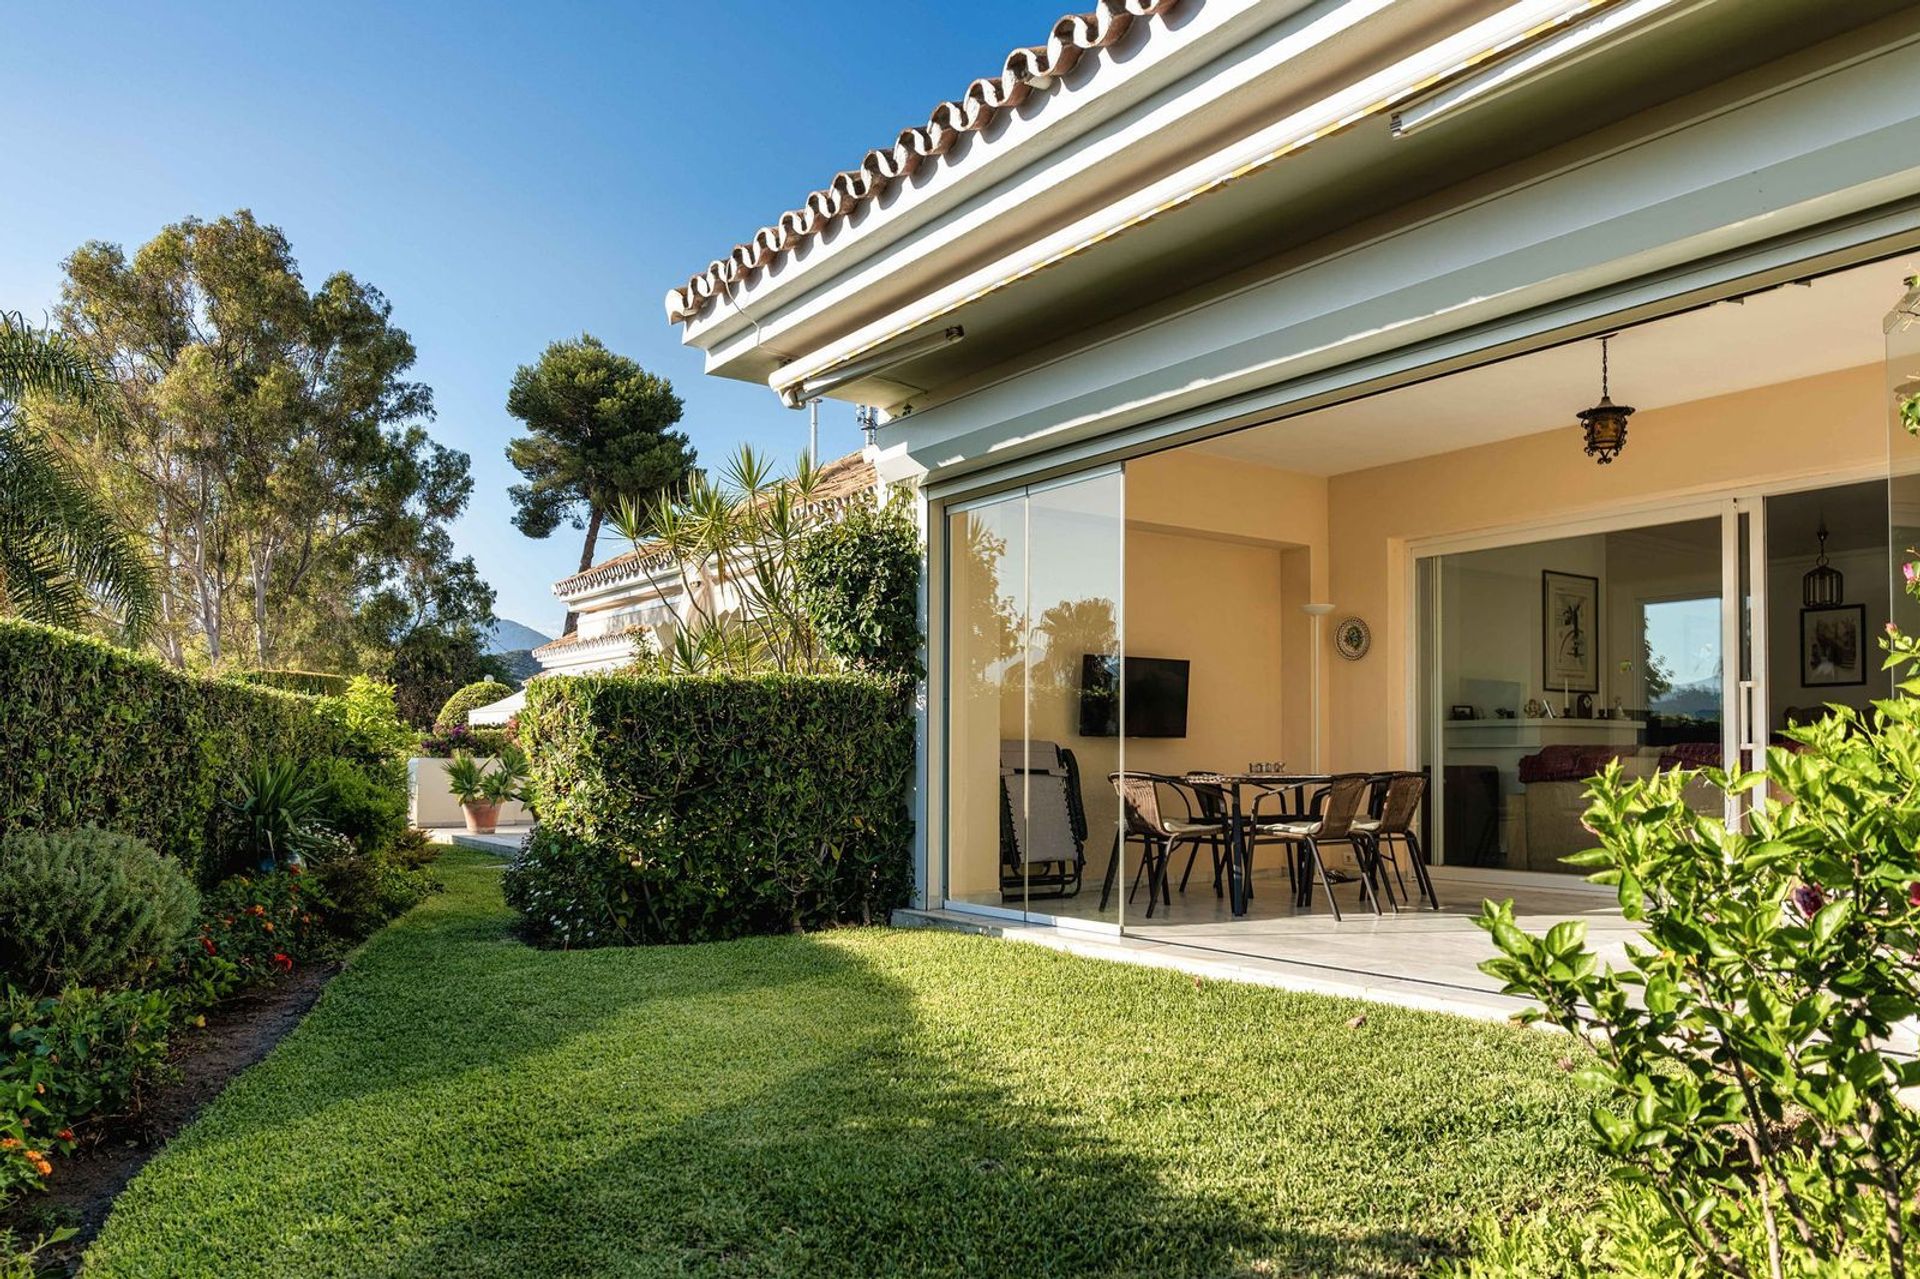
(1316, 612)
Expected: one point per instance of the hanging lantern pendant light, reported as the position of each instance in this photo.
(1605, 423)
(1823, 586)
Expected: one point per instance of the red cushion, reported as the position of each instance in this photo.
(1569, 762)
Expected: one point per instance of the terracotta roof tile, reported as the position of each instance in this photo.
(1027, 69)
(840, 481)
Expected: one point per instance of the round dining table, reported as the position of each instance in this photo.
(1232, 788)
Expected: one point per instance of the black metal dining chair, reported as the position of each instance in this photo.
(1144, 818)
(1333, 811)
(1400, 795)
(1213, 809)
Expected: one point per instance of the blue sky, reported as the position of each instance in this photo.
(506, 174)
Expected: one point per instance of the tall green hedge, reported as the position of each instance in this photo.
(317, 683)
(692, 808)
(92, 735)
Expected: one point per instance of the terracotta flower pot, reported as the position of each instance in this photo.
(481, 817)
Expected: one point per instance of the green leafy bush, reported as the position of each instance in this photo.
(70, 1058)
(367, 803)
(371, 712)
(484, 693)
(88, 906)
(692, 808)
(358, 892)
(859, 582)
(314, 683)
(98, 736)
(1750, 1097)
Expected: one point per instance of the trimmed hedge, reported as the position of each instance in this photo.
(693, 808)
(92, 735)
(313, 683)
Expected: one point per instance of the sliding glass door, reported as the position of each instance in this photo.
(1545, 660)
(1035, 618)
(1681, 644)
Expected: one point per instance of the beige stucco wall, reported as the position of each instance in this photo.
(1193, 494)
(1792, 431)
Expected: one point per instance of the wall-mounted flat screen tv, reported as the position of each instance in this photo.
(1156, 696)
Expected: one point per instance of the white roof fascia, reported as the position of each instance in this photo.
(1078, 103)
(1368, 96)
(1833, 146)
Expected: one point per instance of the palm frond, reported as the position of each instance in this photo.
(41, 362)
(62, 553)
(64, 548)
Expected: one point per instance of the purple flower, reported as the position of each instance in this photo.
(1809, 898)
(1911, 570)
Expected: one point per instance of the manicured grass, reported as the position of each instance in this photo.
(857, 1103)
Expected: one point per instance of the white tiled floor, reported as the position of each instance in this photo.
(1418, 957)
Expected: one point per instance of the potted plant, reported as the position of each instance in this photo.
(482, 788)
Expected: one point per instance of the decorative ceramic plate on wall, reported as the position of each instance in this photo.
(1352, 638)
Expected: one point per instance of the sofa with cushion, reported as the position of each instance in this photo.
(1554, 793)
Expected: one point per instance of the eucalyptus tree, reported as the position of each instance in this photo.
(63, 555)
(265, 439)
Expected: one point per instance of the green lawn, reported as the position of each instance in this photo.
(860, 1103)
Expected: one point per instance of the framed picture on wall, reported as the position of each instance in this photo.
(1833, 646)
(1570, 632)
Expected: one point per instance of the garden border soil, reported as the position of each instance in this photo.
(238, 1034)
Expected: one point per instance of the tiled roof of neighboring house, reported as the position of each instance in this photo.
(1027, 69)
(575, 640)
(840, 480)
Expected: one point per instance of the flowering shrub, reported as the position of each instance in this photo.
(252, 928)
(71, 1058)
(448, 740)
(1750, 1098)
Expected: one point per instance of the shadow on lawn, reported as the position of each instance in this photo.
(859, 1148)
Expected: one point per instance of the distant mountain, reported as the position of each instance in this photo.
(521, 664)
(510, 636)
(1700, 699)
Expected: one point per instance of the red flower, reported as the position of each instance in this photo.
(65, 1134)
(206, 944)
(1913, 893)
(282, 962)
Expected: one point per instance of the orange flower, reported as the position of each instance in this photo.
(40, 1089)
(8, 1143)
(42, 1167)
(268, 925)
